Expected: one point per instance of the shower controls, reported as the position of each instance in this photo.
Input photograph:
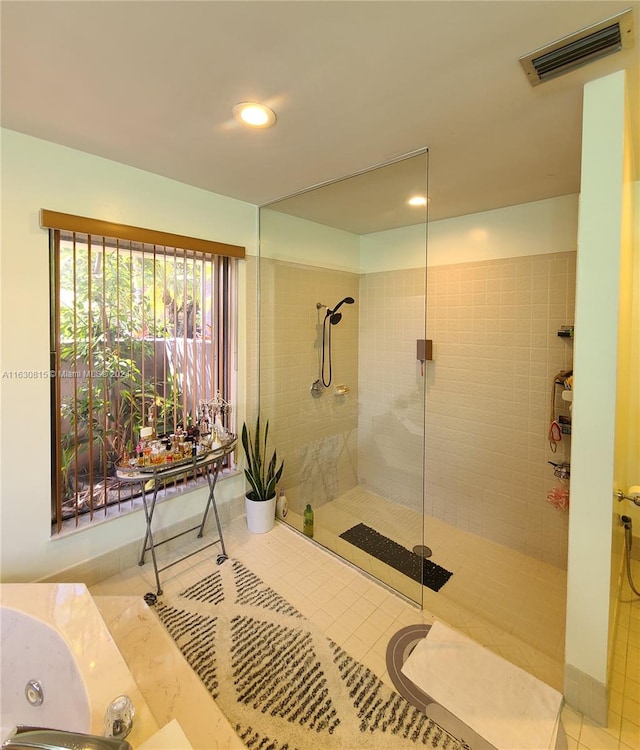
(424, 350)
(317, 389)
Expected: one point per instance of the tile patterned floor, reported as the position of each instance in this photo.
(497, 585)
(361, 614)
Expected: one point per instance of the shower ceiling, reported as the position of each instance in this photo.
(153, 85)
(369, 202)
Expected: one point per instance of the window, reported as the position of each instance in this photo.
(143, 331)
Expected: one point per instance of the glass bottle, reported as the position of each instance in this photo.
(307, 521)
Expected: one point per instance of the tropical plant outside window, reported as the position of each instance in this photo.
(141, 334)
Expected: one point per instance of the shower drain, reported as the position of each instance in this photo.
(421, 550)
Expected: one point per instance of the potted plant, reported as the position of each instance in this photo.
(262, 476)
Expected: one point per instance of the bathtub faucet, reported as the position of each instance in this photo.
(39, 738)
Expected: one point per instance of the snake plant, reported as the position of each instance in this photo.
(262, 476)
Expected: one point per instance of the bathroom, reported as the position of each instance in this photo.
(31, 170)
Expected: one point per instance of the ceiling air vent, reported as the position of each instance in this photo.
(578, 49)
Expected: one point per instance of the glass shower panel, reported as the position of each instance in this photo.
(342, 287)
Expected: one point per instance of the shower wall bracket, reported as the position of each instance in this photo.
(633, 496)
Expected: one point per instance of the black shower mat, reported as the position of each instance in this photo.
(402, 559)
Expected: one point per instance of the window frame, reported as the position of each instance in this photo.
(224, 301)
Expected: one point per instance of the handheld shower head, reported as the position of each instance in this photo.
(334, 315)
(345, 301)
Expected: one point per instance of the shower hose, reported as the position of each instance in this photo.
(326, 337)
(626, 522)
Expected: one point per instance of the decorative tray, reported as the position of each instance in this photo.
(134, 471)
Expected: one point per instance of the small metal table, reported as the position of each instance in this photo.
(211, 462)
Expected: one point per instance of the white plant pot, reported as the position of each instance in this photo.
(261, 515)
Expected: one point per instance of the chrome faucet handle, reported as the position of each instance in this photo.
(39, 738)
(118, 719)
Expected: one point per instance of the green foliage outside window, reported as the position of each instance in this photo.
(118, 311)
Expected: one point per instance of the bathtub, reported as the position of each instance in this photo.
(53, 634)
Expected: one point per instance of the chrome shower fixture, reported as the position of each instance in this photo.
(334, 317)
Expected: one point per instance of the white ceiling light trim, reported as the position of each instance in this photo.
(418, 200)
(254, 115)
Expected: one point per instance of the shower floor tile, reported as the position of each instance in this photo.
(517, 593)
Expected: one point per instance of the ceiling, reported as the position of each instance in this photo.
(354, 84)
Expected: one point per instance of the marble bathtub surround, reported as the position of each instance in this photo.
(171, 688)
(72, 612)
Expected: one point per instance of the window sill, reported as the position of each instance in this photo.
(72, 525)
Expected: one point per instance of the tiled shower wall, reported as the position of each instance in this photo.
(392, 415)
(494, 326)
(316, 436)
(495, 351)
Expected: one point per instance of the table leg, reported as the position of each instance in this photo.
(148, 537)
(212, 478)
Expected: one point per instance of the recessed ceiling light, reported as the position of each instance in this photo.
(418, 200)
(254, 115)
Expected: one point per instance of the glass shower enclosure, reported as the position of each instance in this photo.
(342, 364)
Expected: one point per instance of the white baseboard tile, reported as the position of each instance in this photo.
(586, 694)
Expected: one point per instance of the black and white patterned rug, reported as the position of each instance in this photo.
(281, 683)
